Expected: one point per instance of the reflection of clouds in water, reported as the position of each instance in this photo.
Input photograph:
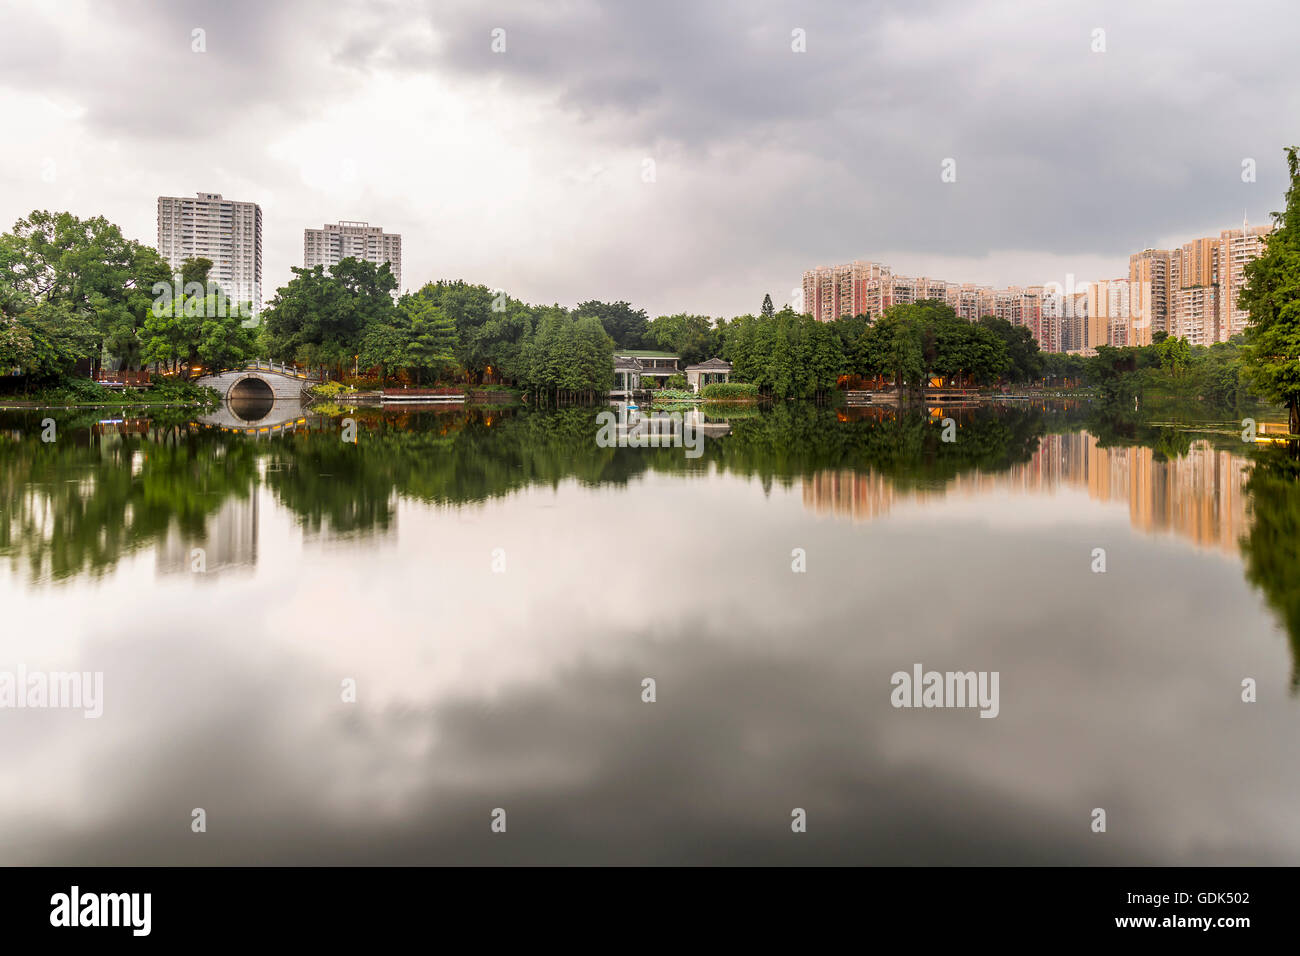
(522, 690)
(585, 772)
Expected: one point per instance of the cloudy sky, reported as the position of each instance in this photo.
(681, 155)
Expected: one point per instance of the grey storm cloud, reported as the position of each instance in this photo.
(1056, 145)
(771, 160)
(131, 67)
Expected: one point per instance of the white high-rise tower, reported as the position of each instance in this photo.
(227, 232)
(355, 240)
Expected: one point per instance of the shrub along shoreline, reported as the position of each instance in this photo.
(673, 396)
(83, 392)
(737, 392)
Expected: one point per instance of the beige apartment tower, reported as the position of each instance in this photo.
(352, 240)
(210, 227)
(1190, 291)
(1236, 248)
(1114, 315)
(1210, 272)
(1196, 314)
(1198, 263)
(1152, 275)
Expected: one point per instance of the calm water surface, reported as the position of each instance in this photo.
(498, 587)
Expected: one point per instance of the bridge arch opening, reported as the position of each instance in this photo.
(251, 398)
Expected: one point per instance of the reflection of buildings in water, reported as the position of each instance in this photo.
(664, 427)
(1201, 495)
(229, 540)
(861, 496)
(109, 431)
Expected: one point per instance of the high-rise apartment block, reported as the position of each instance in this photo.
(228, 233)
(1203, 307)
(868, 288)
(1074, 322)
(356, 240)
(1198, 263)
(1194, 298)
(1196, 314)
(1236, 248)
(1111, 314)
(857, 288)
(1152, 276)
(1189, 292)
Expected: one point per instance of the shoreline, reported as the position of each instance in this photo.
(14, 404)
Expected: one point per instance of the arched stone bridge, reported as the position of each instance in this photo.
(260, 380)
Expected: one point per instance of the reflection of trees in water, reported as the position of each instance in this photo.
(473, 455)
(103, 491)
(1271, 549)
(77, 505)
(904, 444)
(1117, 429)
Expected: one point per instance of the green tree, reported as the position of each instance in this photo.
(320, 319)
(1022, 349)
(1175, 354)
(628, 327)
(43, 342)
(691, 337)
(86, 272)
(780, 362)
(168, 334)
(383, 346)
(1271, 294)
(892, 347)
(195, 271)
(431, 336)
(567, 356)
(199, 326)
(826, 357)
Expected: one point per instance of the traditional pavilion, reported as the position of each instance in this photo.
(633, 366)
(658, 365)
(707, 373)
(627, 375)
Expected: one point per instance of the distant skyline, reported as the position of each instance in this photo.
(527, 169)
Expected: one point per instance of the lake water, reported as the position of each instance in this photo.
(498, 587)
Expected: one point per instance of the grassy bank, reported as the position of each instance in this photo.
(85, 392)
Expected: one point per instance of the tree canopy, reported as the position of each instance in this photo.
(912, 343)
(628, 327)
(691, 337)
(73, 289)
(200, 326)
(320, 317)
(1271, 294)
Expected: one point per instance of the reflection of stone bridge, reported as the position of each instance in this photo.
(253, 417)
(260, 380)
